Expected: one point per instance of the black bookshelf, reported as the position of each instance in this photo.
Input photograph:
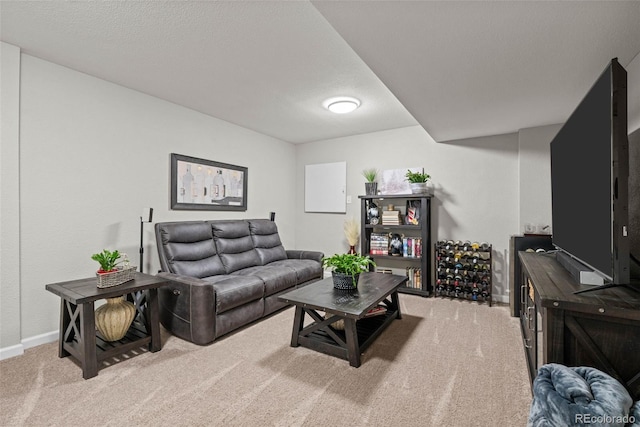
(412, 225)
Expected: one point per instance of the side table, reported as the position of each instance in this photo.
(78, 335)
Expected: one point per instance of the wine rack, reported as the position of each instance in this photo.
(463, 270)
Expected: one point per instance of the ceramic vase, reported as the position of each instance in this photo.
(114, 318)
(421, 187)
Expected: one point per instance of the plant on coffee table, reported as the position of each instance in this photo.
(347, 266)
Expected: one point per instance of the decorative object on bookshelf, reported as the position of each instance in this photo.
(352, 233)
(346, 269)
(373, 213)
(413, 212)
(418, 181)
(395, 245)
(371, 186)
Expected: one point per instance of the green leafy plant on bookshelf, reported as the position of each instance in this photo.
(370, 174)
(417, 177)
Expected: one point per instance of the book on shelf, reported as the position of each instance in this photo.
(384, 271)
(376, 311)
(412, 247)
(391, 218)
(379, 244)
(415, 278)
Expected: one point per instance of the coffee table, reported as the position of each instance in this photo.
(352, 307)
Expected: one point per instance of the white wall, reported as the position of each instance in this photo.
(535, 175)
(475, 180)
(93, 156)
(9, 198)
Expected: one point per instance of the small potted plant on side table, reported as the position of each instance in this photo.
(109, 273)
(418, 181)
(346, 269)
(114, 318)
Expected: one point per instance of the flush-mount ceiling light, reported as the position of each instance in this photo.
(342, 105)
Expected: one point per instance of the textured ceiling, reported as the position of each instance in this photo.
(462, 69)
(267, 66)
(476, 68)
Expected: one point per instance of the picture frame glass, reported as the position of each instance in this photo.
(200, 184)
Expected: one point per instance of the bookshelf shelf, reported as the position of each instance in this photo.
(408, 237)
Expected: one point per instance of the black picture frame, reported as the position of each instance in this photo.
(200, 184)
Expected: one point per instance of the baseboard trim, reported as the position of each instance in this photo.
(18, 349)
(12, 351)
(500, 298)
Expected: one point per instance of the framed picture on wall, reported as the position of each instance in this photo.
(199, 184)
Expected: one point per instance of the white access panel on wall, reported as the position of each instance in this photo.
(325, 187)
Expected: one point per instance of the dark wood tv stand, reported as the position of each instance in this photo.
(599, 329)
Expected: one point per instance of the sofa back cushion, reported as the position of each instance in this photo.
(266, 240)
(234, 244)
(187, 248)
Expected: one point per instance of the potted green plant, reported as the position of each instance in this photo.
(108, 260)
(346, 269)
(371, 186)
(109, 273)
(418, 181)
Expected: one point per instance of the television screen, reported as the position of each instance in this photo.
(589, 172)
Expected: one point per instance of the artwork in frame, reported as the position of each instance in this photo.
(393, 181)
(199, 184)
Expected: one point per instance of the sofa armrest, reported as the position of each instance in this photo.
(176, 300)
(185, 280)
(312, 255)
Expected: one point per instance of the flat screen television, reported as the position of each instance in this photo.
(589, 179)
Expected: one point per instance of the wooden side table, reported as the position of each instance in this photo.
(78, 335)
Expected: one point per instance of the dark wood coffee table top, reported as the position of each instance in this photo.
(372, 288)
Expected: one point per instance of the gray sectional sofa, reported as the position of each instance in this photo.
(225, 274)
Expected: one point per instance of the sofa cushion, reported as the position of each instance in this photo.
(188, 249)
(234, 244)
(237, 317)
(275, 278)
(234, 291)
(266, 240)
(305, 269)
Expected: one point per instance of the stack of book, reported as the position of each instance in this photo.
(391, 218)
(412, 247)
(415, 278)
(379, 244)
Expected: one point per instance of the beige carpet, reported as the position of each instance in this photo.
(446, 363)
